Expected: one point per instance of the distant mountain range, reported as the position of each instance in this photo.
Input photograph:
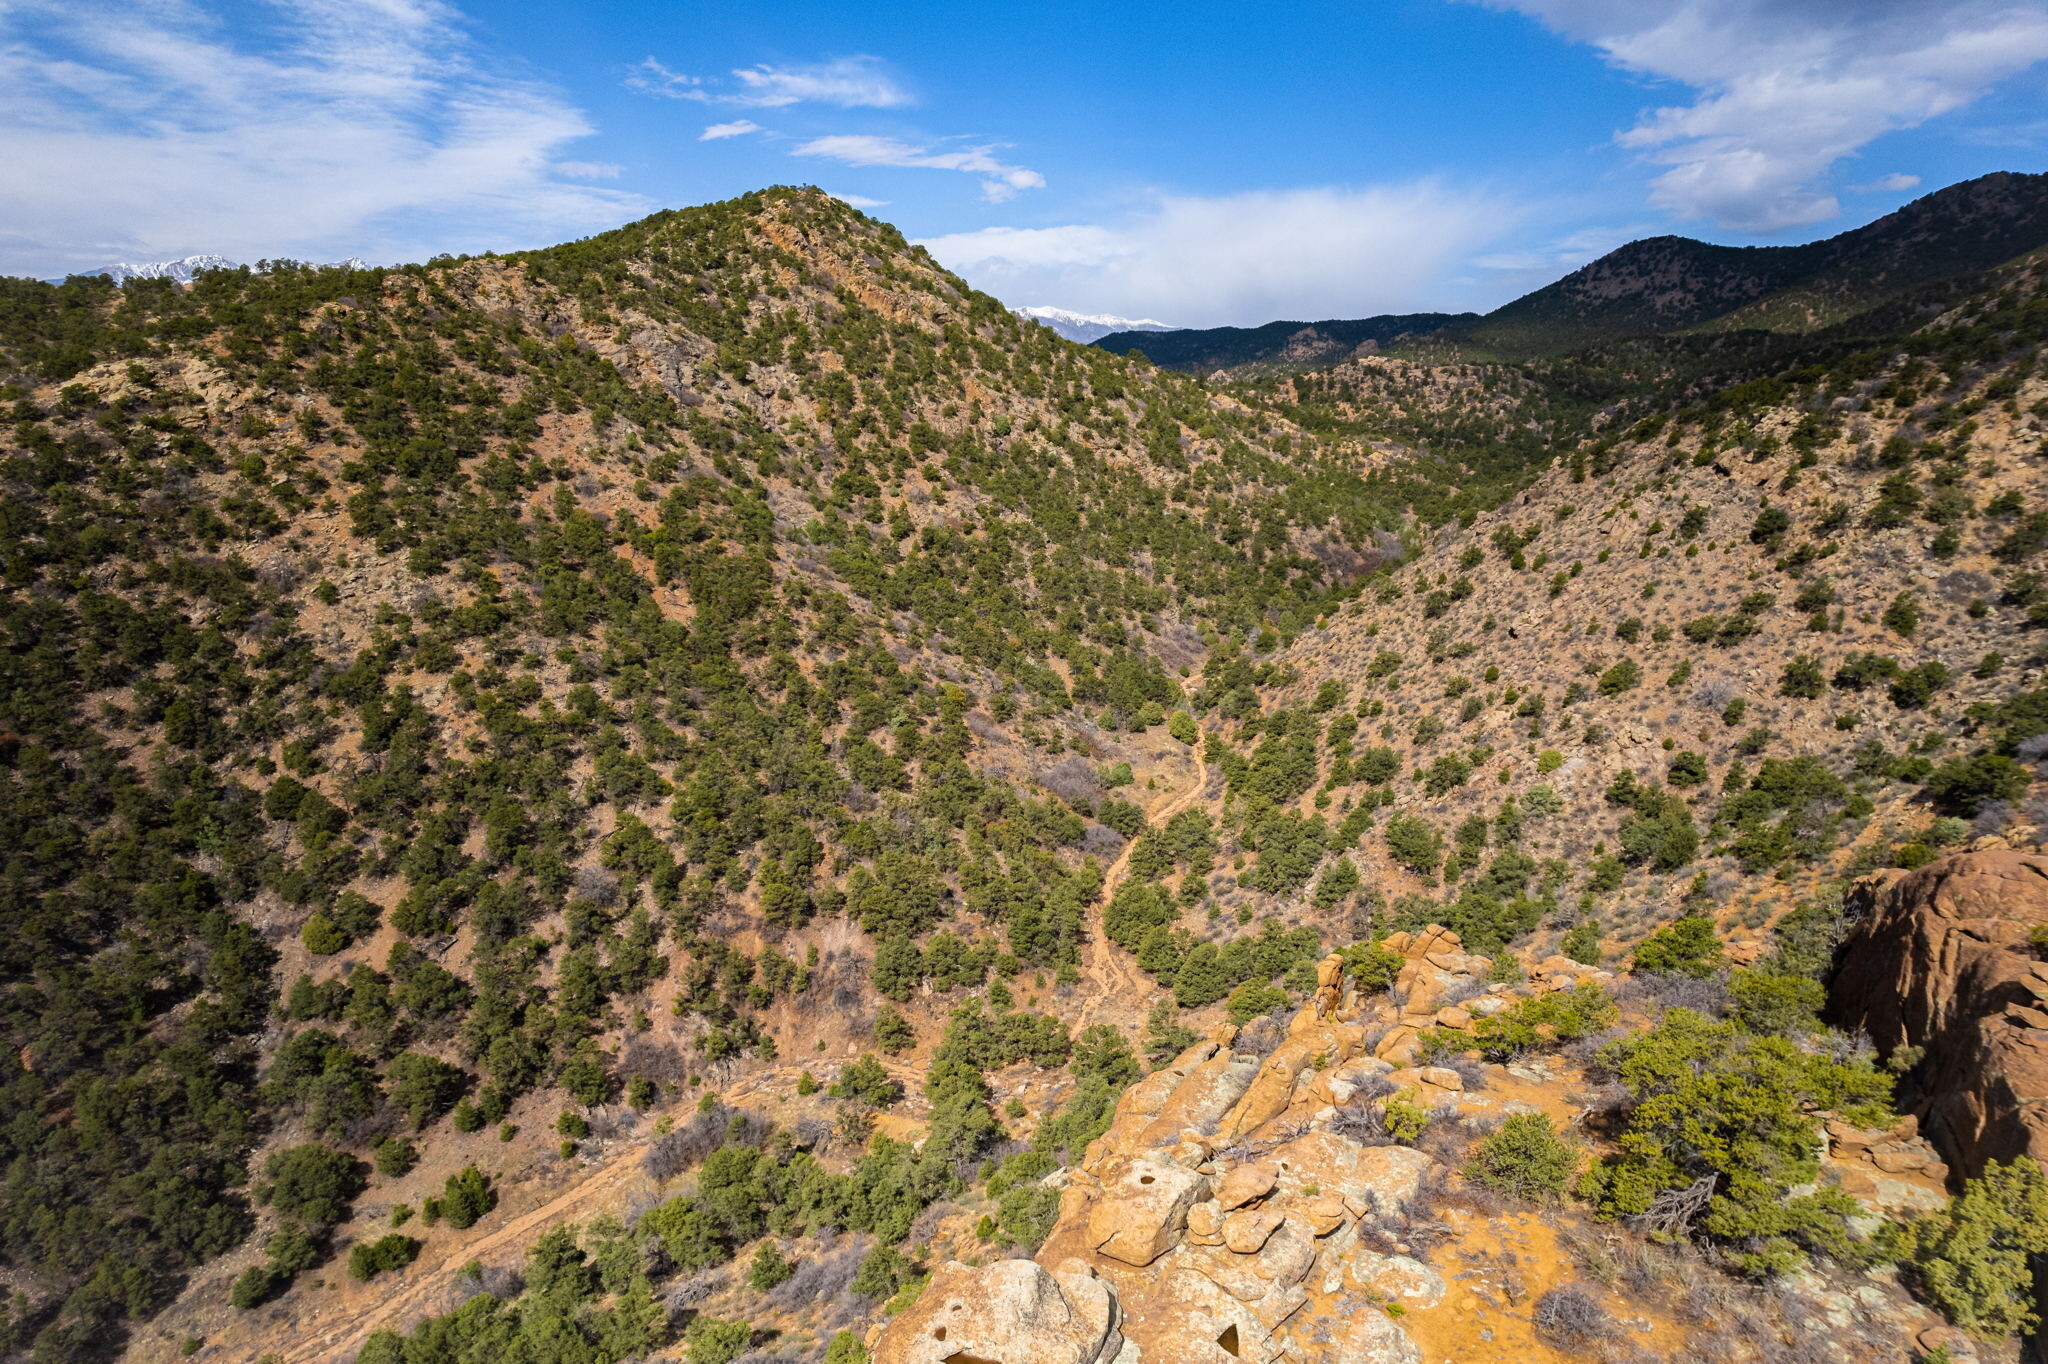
(185, 267)
(1675, 285)
(1086, 327)
(1206, 349)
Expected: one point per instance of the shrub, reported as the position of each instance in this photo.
(1721, 1127)
(395, 1156)
(467, 1196)
(1687, 948)
(1181, 726)
(769, 1269)
(1776, 1003)
(893, 1033)
(368, 1259)
(1582, 943)
(713, 1341)
(1251, 999)
(1902, 617)
(1972, 1257)
(1405, 1119)
(1620, 678)
(866, 1082)
(1560, 1016)
(314, 1182)
(1803, 678)
(1525, 1157)
(1962, 786)
(1414, 843)
(1372, 966)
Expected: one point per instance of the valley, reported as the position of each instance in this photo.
(711, 793)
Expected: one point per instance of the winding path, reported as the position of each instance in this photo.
(1116, 985)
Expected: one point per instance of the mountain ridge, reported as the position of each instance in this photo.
(1672, 285)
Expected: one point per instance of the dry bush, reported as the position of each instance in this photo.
(1073, 780)
(687, 1293)
(688, 1145)
(1661, 990)
(1263, 1035)
(660, 1062)
(1101, 841)
(1570, 1318)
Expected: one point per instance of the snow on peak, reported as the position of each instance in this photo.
(1086, 327)
(184, 268)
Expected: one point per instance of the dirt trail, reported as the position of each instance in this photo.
(425, 1293)
(1116, 987)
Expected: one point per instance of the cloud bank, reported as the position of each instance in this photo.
(1243, 259)
(1784, 89)
(139, 132)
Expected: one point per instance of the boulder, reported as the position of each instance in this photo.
(1246, 1183)
(1013, 1310)
(1937, 959)
(1247, 1229)
(1140, 1213)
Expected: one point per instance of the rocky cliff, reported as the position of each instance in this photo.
(1948, 959)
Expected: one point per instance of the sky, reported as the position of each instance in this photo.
(1199, 163)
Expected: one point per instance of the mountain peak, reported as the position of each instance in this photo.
(1087, 327)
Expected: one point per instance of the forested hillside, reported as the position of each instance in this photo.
(724, 705)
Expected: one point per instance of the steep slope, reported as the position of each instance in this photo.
(421, 681)
(484, 743)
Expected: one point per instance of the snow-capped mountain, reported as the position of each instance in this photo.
(1086, 327)
(185, 267)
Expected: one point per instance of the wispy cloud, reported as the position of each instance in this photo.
(1895, 183)
(859, 200)
(589, 170)
(1244, 258)
(739, 127)
(331, 129)
(847, 82)
(1787, 88)
(999, 181)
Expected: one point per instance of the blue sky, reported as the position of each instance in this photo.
(1202, 163)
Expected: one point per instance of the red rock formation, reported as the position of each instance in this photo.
(1942, 958)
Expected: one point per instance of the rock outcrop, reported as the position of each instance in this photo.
(1010, 1312)
(1944, 958)
(1225, 1215)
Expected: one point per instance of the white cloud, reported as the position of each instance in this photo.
(859, 200)
(999, 181)
(1243, 259)
(848, 82)
(329, 129)
(589, 170)
(739, 127)
(1786, 88)
(1894, 183)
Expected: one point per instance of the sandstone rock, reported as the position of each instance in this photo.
(1286, 1255)
(1140, 1215)
(1205, 1220)
(1246, 1230)
(1187, 1317)
(1386, 1277)
(1323, 1214)
(1441, 1077)
(1246, 1183)
(1936, 957)
(1013, 1311)
(1454, 1017)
